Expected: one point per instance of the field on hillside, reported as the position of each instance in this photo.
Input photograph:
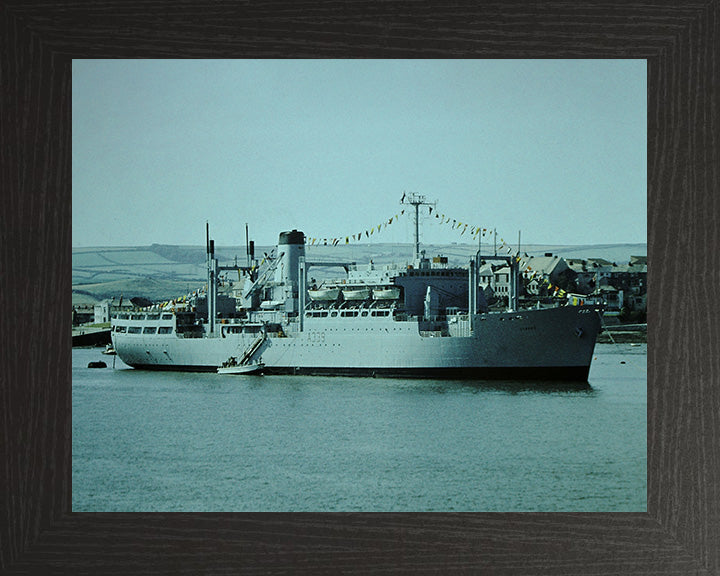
(161, 272)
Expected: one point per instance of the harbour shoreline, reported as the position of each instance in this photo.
(623, 334)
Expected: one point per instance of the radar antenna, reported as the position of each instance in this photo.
(416, 200)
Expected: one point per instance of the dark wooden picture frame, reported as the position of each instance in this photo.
(679, 534)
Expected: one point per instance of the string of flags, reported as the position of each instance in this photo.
(472, 231)
(463, 227)
(365, 234)
(455, 224)
(553, 290)
(180, 301)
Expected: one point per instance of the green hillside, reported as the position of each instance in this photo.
(161, 272)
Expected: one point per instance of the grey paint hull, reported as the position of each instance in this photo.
(555, 344)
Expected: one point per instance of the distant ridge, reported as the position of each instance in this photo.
(163, 271)
(183, 254)
(195, 255)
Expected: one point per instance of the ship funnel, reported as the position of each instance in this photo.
(291, 247)
(294, 237)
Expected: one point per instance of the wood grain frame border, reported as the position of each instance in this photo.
(679, 534)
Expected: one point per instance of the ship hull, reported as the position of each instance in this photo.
(551, 344)
(544, 373)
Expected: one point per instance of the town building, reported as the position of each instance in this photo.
(539, 271)
(105, 308)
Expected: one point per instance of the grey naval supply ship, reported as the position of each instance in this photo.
(422, 320)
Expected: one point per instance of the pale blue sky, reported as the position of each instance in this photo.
(555, 148)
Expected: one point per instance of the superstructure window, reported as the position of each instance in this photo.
(149, 330)
(165, 330)
(167, 316)
(134, 330)
(316, 314)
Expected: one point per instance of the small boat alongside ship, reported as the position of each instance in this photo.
(422, 320)
(109, 350)
(232, 366)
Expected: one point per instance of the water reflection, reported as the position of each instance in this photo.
(510, 387)
(296, 384)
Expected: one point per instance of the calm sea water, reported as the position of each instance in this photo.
(148, 441)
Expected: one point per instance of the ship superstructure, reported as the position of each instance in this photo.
(425, 319)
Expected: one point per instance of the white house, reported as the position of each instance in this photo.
(538, 270)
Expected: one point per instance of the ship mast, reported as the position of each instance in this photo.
(211, 293)
(416, 200)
